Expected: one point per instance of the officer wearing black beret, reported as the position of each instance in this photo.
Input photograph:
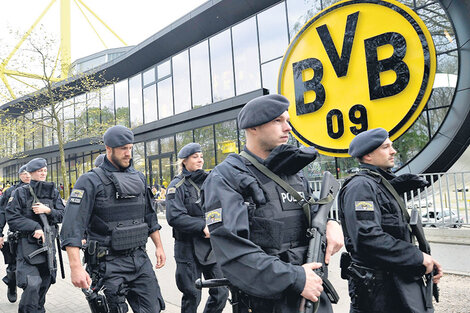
(9, 255)
(257, 230)
(192, 245)
(23, 213)
(383, 266)
(112, 205)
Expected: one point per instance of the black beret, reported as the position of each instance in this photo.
(118, 136)
(261, 110)
(22, 169)
(367, 142)
(99, 159)
(35, 164)
(189, 149)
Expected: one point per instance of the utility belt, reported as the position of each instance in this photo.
(366, 275)
(13, 237)
(94, 253)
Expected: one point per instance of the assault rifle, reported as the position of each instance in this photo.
(317, 244)
(418, 232)
(48, 244)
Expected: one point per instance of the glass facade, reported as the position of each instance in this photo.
(241, 58)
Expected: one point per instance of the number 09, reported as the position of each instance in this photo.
(357, 115)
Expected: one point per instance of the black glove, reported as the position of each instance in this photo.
(408, 182)
(289, 160)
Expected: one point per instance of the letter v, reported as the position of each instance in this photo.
(340, 65)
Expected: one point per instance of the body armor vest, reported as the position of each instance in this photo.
(191, 197)
(46, 195)
(122, 205)
(280, 224)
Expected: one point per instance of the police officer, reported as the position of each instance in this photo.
(385, 268)
(257, 231)
(192, 245)
(113, 205)
(8, 246)
(33, 274)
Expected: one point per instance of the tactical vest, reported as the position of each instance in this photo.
(191, 203)
(280, 224)
(45, 191)
(119, 214)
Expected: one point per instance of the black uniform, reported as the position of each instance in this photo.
(387, 266)
(260, 245)
(32, 274)
(192, 251)
(10, 278)
(114, 208)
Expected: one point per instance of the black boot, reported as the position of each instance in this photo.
(11, 290)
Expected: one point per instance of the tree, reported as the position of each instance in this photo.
(49, 110)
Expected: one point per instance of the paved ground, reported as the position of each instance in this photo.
(63, 297)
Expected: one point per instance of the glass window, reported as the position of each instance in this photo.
(221, 66)
(165, 98)
(80, 117)
(200, 75)
(164, 69)
(149, 76)
(135, 100)
(121, 92)
(183, 138)
(28, 140)
(272, 28)
(181, 82)
(205, 137)
(107, 105)
(48, 125)
(87, 162)
(270, 72)
(93, 106)
(69, 119)
(167, 144)
(226, 139)
(411, 142)
(245, 54)
(152, 147)
(299, 12)
(150, 104)
(138, 156)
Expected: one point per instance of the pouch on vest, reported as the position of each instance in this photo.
(129, 237)
(128, 185)
(29, 245)
(266, 233)
(203, 251)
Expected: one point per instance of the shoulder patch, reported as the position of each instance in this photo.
(10, 199)
(77, 193)
(171, 190)
(364, 205)
(214, 216)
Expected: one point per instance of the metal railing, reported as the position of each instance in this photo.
(445, 203)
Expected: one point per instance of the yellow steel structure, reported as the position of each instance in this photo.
(64, 50)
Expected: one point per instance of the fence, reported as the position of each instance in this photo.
(445, 203)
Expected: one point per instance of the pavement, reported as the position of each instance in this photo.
(64, 297)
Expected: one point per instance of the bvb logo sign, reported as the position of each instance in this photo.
(357, 65)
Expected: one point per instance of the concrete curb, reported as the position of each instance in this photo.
(456, 236)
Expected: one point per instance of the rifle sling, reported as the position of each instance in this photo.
(305, 204)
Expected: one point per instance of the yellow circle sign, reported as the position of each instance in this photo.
(357, 65)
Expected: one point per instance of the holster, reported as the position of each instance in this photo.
(344, 264)
(7, 255)
(90, 253)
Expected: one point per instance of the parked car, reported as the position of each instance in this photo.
(441, 218)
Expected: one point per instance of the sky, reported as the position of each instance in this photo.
(134, 21)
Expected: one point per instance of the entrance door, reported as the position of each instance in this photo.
(161, 169)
